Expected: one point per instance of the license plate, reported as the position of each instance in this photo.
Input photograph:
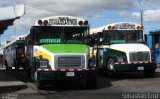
(140, 68)
(69, 74)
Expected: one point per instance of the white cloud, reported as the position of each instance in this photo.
(36, 9)
(43, 8)
(136, 14)
(123, 13)
(152, 15)
(148, 15)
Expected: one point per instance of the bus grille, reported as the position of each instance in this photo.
(139, 56)
(70, 61)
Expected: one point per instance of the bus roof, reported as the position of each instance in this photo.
(117, 26)
(154, 31)
(15, 40)
(61, 21)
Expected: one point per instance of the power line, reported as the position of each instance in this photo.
(140, 3)
(29, 4)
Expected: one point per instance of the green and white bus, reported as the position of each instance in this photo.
(121, 49)
(58, 49)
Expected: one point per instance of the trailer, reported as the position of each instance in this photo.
(14, 54)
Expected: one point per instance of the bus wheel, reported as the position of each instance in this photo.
(149, 73)
(39, 84)
(34, 75)
(110, 65)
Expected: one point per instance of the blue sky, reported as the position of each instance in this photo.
(98, 12)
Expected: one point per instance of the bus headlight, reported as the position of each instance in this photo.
(120, 59)
(43, 63)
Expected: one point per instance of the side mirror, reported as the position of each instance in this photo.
(91, 40)
(145, 37)
(32, 33)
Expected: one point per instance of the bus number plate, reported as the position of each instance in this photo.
(69, 74)
(140, 68)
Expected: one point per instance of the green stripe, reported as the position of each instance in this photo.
(112, 53)
(65, 48)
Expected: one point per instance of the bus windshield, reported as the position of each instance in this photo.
(60, 35)
(123, 36)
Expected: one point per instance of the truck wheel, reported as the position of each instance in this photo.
(39, 84)
(110, 64)
(91, 82)
(149, 73)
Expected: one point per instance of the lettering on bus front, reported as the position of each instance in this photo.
(55, 40)
(63, 21)
(125, 26)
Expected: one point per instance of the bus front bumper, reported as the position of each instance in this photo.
(134, 67)
(66, 75)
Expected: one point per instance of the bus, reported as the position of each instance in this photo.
(14, 54)
(154, 44)
(121, 48)
(57, 49)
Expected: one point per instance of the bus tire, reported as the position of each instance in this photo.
(149, 73)
(111, 73)
(34, 75)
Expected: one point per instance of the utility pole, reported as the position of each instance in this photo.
(140, 3)
(142, 17)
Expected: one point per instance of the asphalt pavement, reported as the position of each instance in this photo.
(8, 83)
(17, 84)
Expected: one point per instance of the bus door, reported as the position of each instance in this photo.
(156, 46)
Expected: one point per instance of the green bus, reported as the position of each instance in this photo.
(57, 49)
(121, 48)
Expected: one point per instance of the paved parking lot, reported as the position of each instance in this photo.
(107, 88)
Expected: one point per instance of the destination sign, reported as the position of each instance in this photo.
(63, 21)
(55, 40)
(125, 26)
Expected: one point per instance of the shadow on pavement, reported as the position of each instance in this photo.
(15, 75)
(77, 85)
(9, 82)
(102, 82)
(11, 89)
